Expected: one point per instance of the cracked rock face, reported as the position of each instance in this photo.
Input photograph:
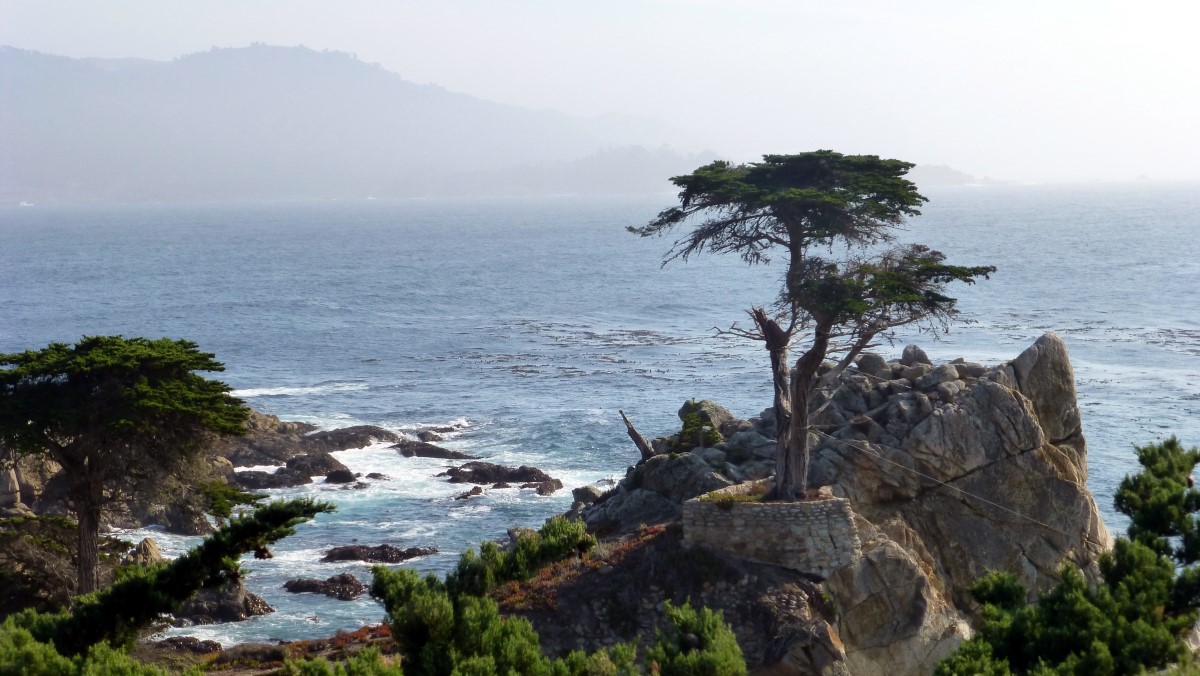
(992, 477)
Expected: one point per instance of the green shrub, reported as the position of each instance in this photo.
(695, 433)
(559, 538)
(727, 501)
(698, 644)
(21, 653)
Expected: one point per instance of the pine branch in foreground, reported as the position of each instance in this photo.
(115, 615)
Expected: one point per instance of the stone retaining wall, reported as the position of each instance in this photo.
(817, 536)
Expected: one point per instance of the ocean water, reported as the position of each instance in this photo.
(530, 322)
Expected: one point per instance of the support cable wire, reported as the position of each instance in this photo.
(968, 494)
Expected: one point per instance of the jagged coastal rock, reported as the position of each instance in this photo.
(228, 603)
(271, 441)
(948, 471)
(486, 473)
(421, 449)
(377, 554)
(344, 587)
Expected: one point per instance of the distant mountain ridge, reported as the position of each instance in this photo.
(938, 175)
(265, 122)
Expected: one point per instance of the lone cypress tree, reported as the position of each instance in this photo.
(806, 207)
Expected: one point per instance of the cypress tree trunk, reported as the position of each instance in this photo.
(792, 457)
(777, 341)
(86, 497)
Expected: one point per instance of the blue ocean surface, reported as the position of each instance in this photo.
(530, 322)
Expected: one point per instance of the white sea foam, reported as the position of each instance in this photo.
(320, 388)
(269, 469)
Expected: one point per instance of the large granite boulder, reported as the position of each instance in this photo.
(33, 472)
(10, 489)
(229, 602)
(678, 478)
(257, 480)
(891, 607)
(652, 492)
(628, 509)
(344, 587)
(990, 477)
(145, 553)
(710, 413)
(487, 474)
(377, 554)
(315, 464)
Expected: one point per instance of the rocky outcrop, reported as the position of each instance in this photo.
(652, 493)
(33, 472)
(951, 471)
(988, 472)
(228, 603)
(257, 480)
(315, 464)
(486, 473)
(340, 476)
(421, 449)
(145, 553)
(268, 441)
(188, 644)
(892, 609)
(378, 554)
(346, 438)
(344, 587)
(271, 441)
(10, 495)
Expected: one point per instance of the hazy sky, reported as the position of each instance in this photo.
(1020, 89)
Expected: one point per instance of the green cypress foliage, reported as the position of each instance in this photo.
(557, 540)
(700, 644)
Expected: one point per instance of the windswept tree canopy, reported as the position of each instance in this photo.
(115, 401)
(788, 201)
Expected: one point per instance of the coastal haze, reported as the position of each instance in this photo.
(535, 97)
(265, 122)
